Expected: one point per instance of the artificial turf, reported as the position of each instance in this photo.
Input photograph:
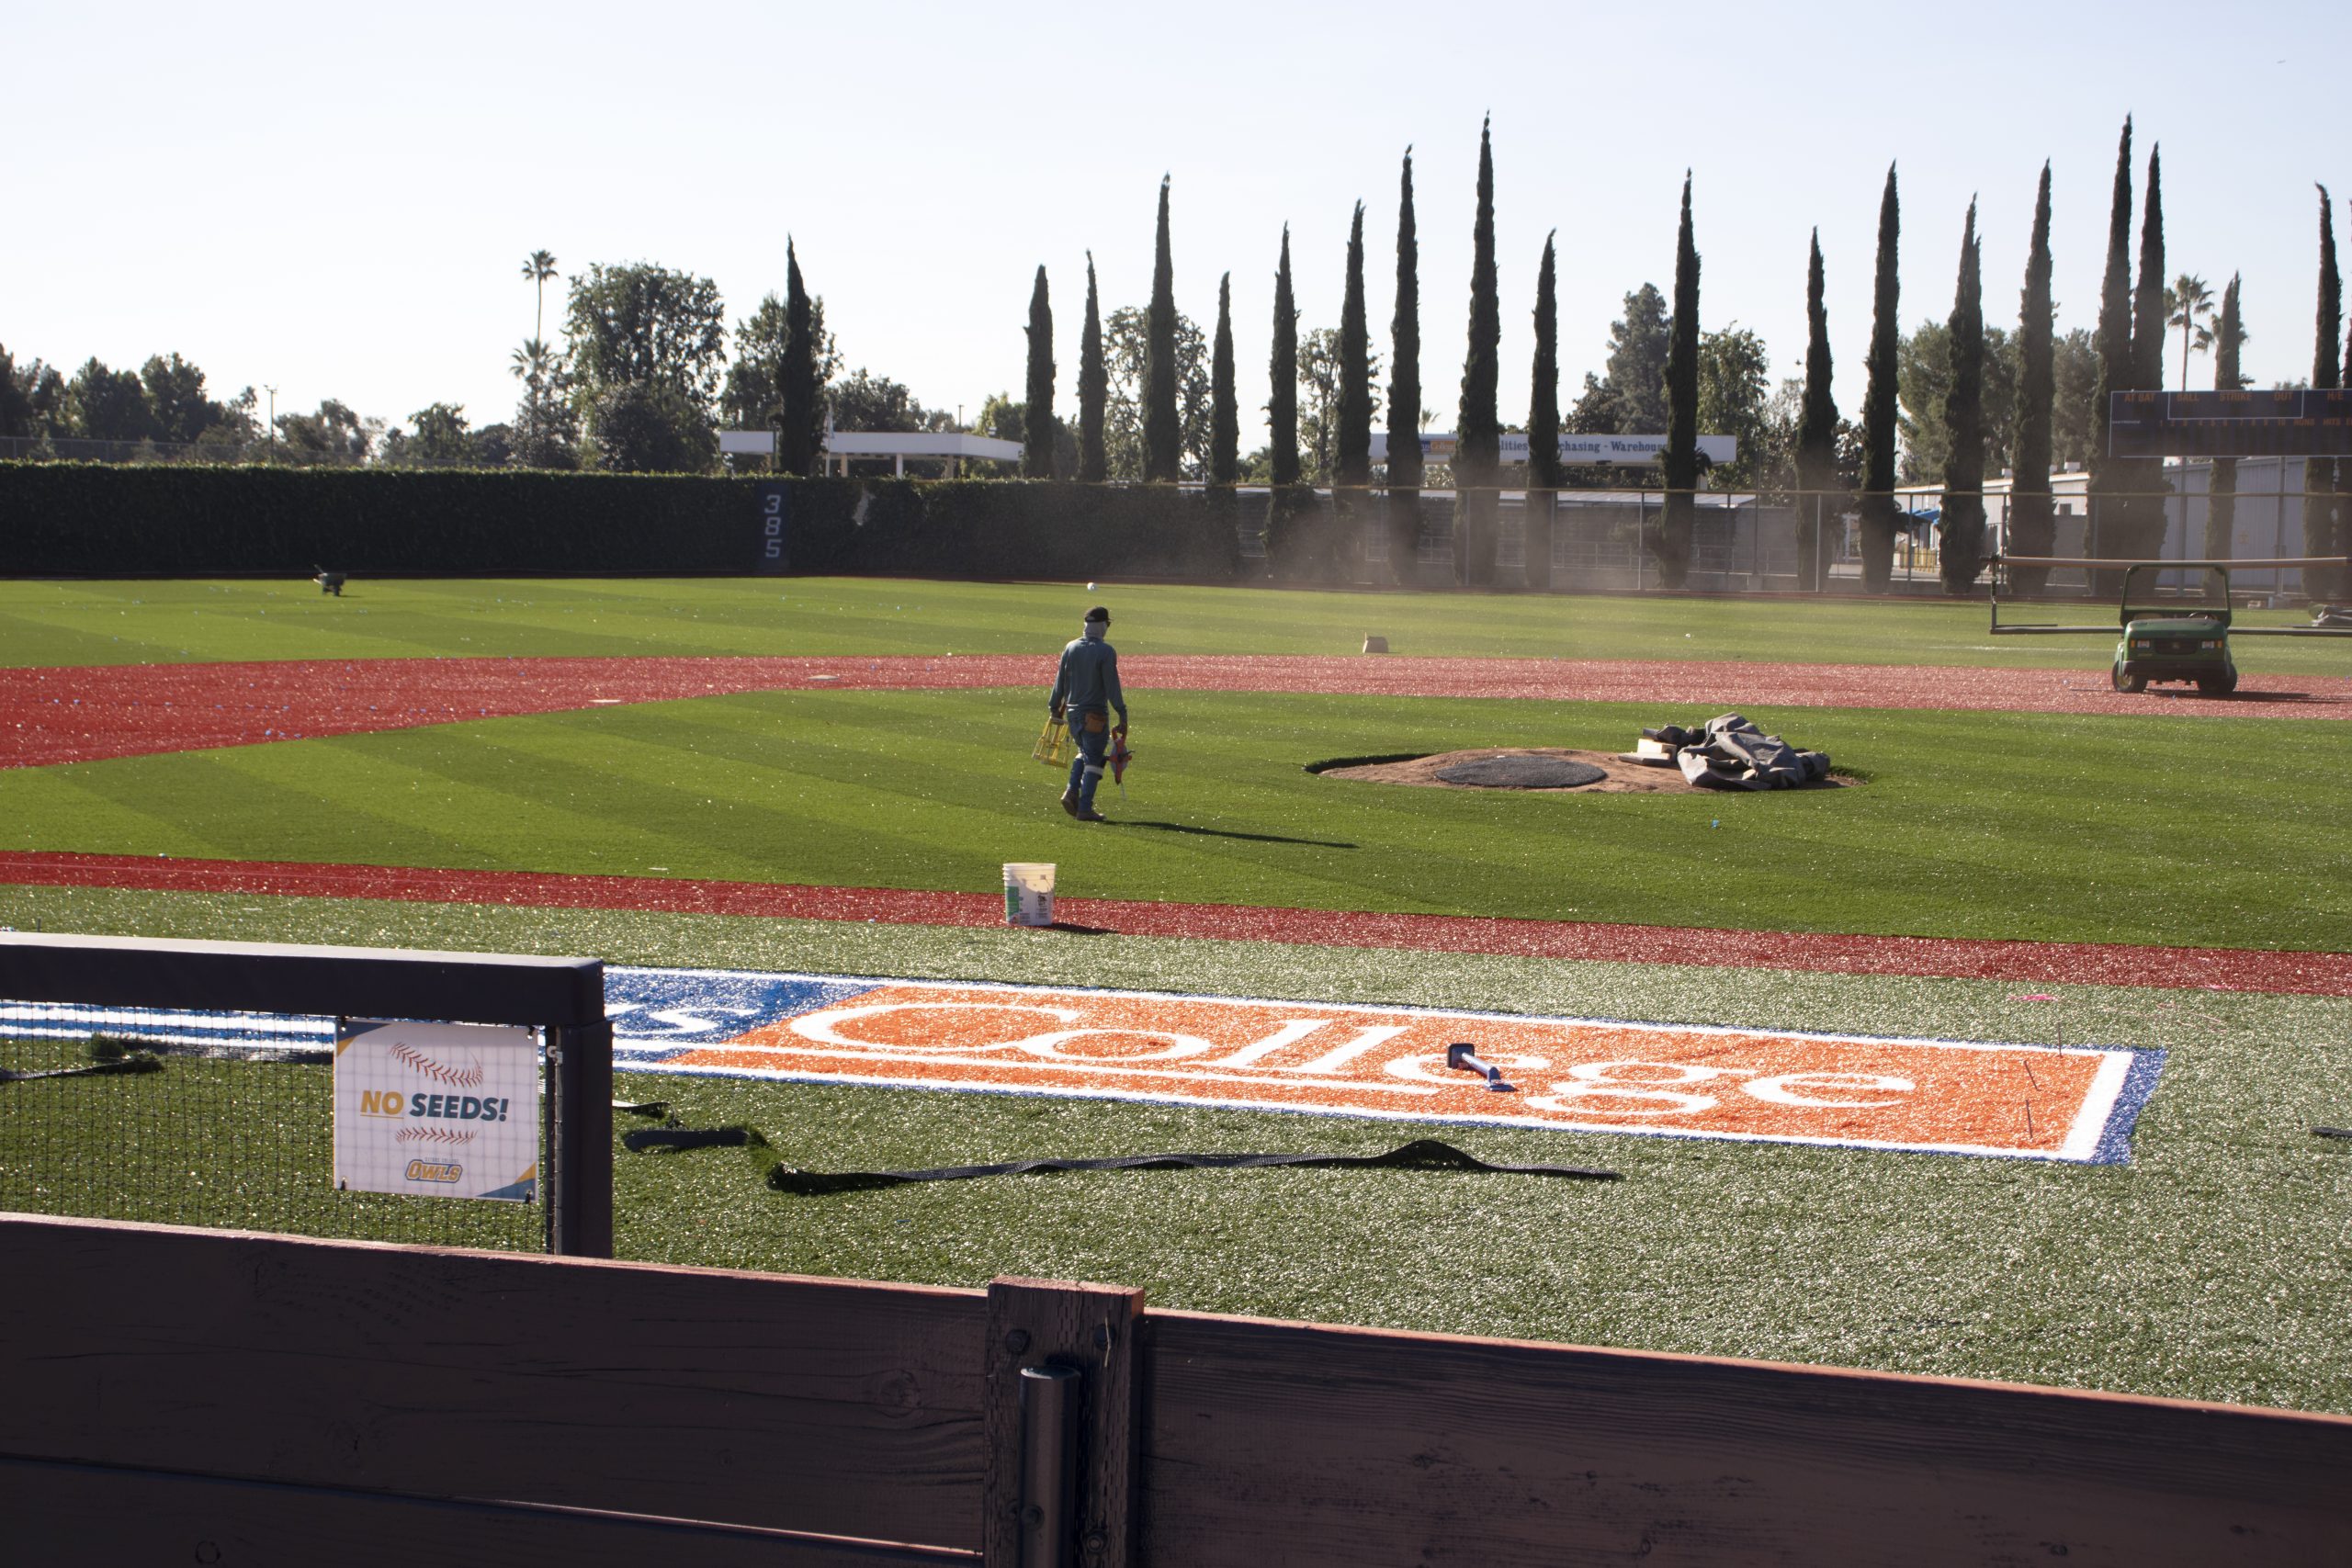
(121, 623)
(2036, 825)
(2211, 1266)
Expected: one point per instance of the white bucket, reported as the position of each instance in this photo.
(1028, 893)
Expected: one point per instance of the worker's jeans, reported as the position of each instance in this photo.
(1086, 765)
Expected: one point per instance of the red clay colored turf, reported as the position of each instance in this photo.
(87, 712)
(2083, 964)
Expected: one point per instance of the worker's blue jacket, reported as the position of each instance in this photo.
(1088, 681)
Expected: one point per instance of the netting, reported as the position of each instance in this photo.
(220, 1119)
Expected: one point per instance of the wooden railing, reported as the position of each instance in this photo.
(174, 1395)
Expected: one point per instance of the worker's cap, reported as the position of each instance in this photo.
(1099, 614)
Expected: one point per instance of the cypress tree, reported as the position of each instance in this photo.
(1816, 433)
(1878, 402)
(1282, 369)
(1962, 553)
(1225, 424)
(1352, 463)
(1094, 387)
(2222, 493)
(1681, 461)
(2327, 372)
(800, 419)
(1544, 423)
(2144, 535)
(1162, 434)
(1284, 548)
(2113, 341)
(2033, 524)
(1037, 419)
(1405, 391)
(1478, 448)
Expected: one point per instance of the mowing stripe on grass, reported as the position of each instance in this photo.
(2049, 963)
(86, 713)
(2075, 1103)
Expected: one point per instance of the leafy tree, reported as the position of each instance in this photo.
(1322, 386)
(541, 371)
(1093, 387)
(1404, 356)
(1816, 428)
(1282, 370)
(1479, 432)
(178, 409)
(804, 368)
(2033, 528)
(1630, 397)
(1543, 422)
(651, 428)
(1225, 421)
(1004, 419)
(1925, 364)
(2189, 305)
(1162, 433)
(646, 324)
(109, 405)
(753, 394)
(440, 437)
(1879, 400)
(1735, 400)
(2327, 372)
(1038, 429)
(333, 435)
(1962, 552)
(2221, 491)
(1352, 462)
(1679, 462)
(2075, 415)
(1126, 346)
(863, 400)
(17, 414)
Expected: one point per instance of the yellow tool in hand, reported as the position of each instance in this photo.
(1048, 748)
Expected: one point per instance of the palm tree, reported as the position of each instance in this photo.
(532, 364)
(2189, 305)
(538, 267)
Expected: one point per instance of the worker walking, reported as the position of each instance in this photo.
(1085, 690)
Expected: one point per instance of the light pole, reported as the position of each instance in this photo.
(273, 419)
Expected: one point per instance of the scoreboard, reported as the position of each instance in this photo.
(2230, 425)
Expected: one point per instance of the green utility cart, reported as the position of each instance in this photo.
(2171, 632)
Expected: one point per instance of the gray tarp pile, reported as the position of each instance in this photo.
(1731, 753)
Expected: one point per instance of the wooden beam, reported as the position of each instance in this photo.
(1092, 1328)
(841, 1408)
(1308, 1445)
(71, 1516)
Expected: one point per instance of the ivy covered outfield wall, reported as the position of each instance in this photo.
(94, 520)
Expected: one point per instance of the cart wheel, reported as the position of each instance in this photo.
(2127, 682)
(2218, 686)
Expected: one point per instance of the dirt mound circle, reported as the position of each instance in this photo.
(1614, 774)
(1518, 770)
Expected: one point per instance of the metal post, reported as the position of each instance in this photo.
(580, 1189)
(1049, 1466)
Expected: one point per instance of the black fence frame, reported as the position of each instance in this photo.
(563, 997)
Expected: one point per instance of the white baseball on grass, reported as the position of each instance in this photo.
(1090, 588)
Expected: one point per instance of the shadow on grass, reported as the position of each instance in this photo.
(1221, 833)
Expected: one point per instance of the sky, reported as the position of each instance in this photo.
(338, 200)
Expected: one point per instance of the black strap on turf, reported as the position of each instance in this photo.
(2334, 1131)
(139, 1064)
(1422, 1154)
(639, 1139)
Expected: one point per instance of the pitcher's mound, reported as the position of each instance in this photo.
(1521, 768)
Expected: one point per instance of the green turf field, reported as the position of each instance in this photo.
(1969, 824)
(87, 622)
(2211, 1266)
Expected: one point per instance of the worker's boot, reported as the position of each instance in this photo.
(1069, 801)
